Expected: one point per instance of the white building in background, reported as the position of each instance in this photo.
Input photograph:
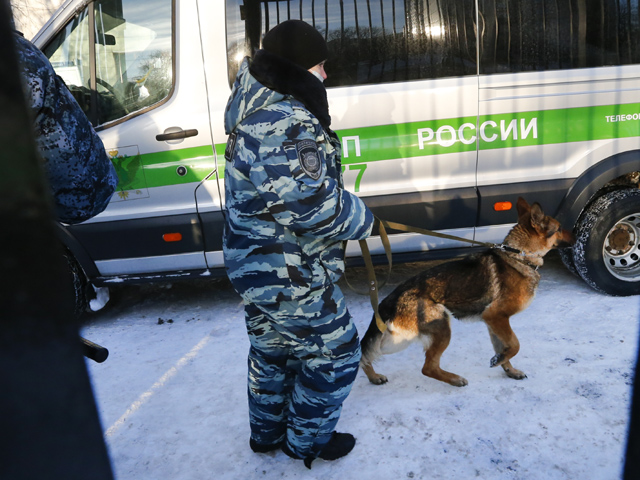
(31, 15)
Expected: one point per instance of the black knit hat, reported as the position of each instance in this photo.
(298, 42)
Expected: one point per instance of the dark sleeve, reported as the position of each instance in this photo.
(79, 171)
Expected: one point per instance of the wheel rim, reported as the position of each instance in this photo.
(621, 249)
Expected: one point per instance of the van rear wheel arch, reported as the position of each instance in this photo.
(608, 174)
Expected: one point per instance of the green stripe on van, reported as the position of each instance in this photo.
(388, 142)
(220, 148)
(161, 168)
(455, 135)
(407, 140)
(465, 134)
(563, 126)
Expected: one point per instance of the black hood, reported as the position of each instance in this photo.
(286, 77)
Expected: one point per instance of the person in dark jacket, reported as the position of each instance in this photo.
(287, 219)
(80, 174)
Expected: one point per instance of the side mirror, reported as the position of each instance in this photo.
(105, 39)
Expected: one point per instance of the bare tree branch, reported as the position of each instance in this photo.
(31, 15)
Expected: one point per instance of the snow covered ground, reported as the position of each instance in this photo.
(172, 400)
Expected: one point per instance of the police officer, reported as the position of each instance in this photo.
(80, 174)
(288, 216)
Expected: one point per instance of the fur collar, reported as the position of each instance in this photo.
(286, 77)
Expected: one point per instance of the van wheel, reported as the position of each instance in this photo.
(607, 249)
(80, 285)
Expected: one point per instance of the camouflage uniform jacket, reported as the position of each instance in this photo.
(78, 169)
(287, 213)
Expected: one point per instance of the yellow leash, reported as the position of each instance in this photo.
(372, 291)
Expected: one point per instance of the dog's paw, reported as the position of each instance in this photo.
(515, 373)
(378, 379)
(458, 381)
(497, 360)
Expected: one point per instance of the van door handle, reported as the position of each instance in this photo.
(163, 137)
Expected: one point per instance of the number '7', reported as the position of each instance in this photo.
(361, 167)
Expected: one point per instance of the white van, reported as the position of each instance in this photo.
(447, 112)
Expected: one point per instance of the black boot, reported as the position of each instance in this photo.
(264, 448)
(339, 446)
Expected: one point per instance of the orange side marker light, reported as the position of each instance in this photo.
(172, 237)
(502, 206)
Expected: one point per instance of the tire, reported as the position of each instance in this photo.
(607, 250)
(80, 285)
(566, 255)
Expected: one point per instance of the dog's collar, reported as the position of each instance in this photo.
(530, 264)
(521, 256)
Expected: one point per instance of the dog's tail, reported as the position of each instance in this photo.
(370, 344)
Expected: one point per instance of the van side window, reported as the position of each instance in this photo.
(369, 41)
(131, 47)
(518, 36)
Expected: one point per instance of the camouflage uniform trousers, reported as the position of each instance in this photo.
(303, 361)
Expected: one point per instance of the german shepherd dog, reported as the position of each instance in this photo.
(492, 285)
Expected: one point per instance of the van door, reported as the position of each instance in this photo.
(548, 84)
(210, 193)
(136, 68)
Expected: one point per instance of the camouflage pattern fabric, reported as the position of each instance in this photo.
(286, 222)
(303, 361)
(285, 226)
(78, 169)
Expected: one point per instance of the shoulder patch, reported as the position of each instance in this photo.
(309, 158)
(231, 145)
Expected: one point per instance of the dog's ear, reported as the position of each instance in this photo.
(522, 206)
(537, 217)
